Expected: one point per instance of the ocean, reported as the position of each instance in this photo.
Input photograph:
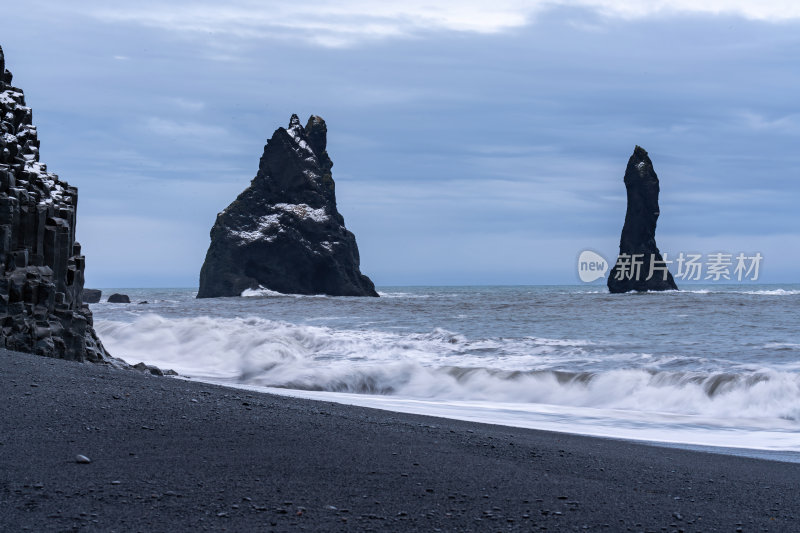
(712, 366)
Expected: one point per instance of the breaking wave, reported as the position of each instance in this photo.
(443, 365)
(774, 292)
(764, 292)
(259, 292)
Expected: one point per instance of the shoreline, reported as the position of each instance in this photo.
(177, 454)
(355, 400)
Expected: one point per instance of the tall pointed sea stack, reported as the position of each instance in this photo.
(284, 233)
(640, 266)
(41, 266)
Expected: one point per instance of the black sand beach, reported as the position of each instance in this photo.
(172, 455)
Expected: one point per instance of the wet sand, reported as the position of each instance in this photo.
(173, 455)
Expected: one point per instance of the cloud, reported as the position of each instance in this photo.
(344, 23)
(188, 105)
(183, 130)
(454, 152)
(774, 10)
(789, 123)
(326, 23)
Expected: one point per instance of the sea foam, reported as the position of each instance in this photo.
(443, 365)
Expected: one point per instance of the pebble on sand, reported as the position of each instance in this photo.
(82, 459)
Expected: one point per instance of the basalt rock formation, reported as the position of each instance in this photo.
(41, 266)
(284, 233)
(640, 266)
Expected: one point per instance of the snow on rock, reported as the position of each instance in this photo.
(296, 132)
(304, 211)
(261, 231)
(11, 97)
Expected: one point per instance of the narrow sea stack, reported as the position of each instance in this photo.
(640, 266)
(284, 233)
(41, 266)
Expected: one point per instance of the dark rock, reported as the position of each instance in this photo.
(92, 296)
(153, 370)
(117, 298)
(5, 76)
(284, 233)
(637, 245)
(42, 309)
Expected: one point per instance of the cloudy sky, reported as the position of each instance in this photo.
(473, 142)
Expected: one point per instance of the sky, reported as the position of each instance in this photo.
(473, 142)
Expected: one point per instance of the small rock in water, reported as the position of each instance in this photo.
(82, 459)
(91, 296)
(148, 368)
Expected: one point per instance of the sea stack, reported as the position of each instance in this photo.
(41, 266)
(283, 232)
(640, 266)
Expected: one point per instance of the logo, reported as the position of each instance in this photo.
(720, 266)
(591, 266)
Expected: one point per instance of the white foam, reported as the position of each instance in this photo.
(599, 422)
(445, 366)
(762, 292)
(782, 346)
(259, 292)
(775, 292)
(402, 295)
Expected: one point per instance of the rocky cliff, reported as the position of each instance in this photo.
(41, 266)
(284, 233)
(640, 266)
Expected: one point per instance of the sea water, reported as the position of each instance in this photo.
(714, 366)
